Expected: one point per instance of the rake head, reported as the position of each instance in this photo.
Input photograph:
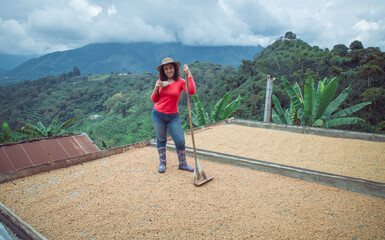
(200, 177)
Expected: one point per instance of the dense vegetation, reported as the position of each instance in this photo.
(116, 108)
(361, 68)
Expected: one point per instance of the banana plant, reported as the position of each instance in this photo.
(40, 130)
(316, 106)
(200, 116)
(222, 110)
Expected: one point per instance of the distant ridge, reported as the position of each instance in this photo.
(9, 61)
(125, 57)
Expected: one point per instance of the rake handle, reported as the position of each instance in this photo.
(190, 118)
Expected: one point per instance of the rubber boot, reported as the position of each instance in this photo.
(162, 159)
(182, 161)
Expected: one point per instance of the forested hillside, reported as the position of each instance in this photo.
(362, 68)
(140, 57)
(116, 108)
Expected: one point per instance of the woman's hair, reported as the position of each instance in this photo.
(163, 76)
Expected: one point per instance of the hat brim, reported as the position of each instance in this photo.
(160, 66)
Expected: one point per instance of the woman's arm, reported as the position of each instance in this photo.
(190, 79)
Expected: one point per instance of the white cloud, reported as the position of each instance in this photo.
(84, 10)
(369, 33)
(329, 22)
(14, 39)
(111, 10)
(363, 25)
(136, 30)
(41, 26)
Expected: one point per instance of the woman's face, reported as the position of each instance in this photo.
(169, 70)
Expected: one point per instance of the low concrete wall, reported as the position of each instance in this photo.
(338, 181)
(311, 130)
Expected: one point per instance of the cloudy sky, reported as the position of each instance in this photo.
(42, 26)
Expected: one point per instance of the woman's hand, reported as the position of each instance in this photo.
(158, 84)
(186, 70)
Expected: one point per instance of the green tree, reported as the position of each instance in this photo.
(76, 71)
(356, 45)
(316, 106)
(370, 72)
(340, 50)
(6, 134)
(373, 94)
(290, 36)
(335, 71)
(112, 103)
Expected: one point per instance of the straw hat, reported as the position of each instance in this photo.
(168, 60)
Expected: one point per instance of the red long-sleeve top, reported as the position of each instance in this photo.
(166, 101)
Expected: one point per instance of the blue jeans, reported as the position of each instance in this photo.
(164, 122)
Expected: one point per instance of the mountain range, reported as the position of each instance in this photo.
(10, 61)
(140, 57)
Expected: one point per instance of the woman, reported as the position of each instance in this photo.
(165, 115)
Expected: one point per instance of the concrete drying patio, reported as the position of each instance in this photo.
(123, 197)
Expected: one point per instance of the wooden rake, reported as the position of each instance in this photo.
(200, 177)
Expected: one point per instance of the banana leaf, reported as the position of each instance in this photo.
(275, 117)
(28, 132)
(54, 121)
(42, 127)
(207, 118)
(292, 94)
(297, 115)
(288, 117)
(326, 81)
(66, 123)
(200, 112)
(194, 120)
(327, 96)
(316, 102)
(301, 116)
(318, 123)
(297, 90)
(280, 113)
(220, 108)
(33, 130)
(350, 110)
(231, 107)
(342, 121)
(321, 86)
(336, 103)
